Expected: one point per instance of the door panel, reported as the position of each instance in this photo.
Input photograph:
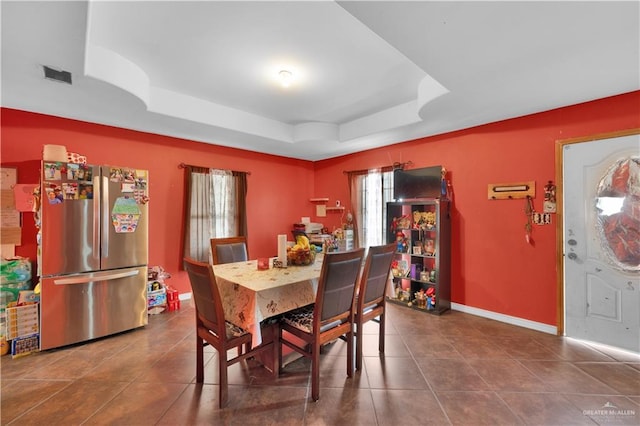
(121, 247)
(602, 293)
(81, 307)
(69, 232)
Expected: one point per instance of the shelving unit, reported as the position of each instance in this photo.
(321, 206)
(422, 231)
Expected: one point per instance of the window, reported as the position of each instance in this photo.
(373, 190)
(215, 207)
(224, 211)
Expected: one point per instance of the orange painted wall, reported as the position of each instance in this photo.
(279, 188)
(493, 267)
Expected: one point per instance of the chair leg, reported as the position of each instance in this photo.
(199, 360)
(381, 334)
(277, 352)
(278, 360)
(315, 372)
(224, 385)
(359, 346)
(350, 353)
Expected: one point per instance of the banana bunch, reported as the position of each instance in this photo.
(302, 243)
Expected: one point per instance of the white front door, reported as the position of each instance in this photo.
(601, 241)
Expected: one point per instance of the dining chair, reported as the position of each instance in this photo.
(370, 299)
(212, 329)
(229, 250)
(329, 318)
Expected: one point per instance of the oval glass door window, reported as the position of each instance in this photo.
(618, 214)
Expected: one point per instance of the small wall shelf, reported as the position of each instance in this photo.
(319, 200)
(339, 208)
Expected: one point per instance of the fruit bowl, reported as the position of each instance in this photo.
(301, 257)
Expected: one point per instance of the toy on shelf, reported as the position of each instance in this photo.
(402, 222)
(431, 298)
(402, 246)
(400, 268)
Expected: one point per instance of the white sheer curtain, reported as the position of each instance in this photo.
(223, 204)
(373, 190)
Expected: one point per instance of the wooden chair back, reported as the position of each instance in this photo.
(337, 287)
(229, 250)
(375, 275)
(331, 316)
(213, 329)
(371, 299)
(206, 296)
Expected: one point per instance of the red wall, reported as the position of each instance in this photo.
(493, 267)
(271, 211)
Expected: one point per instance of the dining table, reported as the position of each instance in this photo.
(250, 296)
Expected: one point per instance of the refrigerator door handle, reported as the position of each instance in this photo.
(106, 218)
(95, 277)
(95, 246)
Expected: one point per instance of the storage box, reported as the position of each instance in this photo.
(174, 305)
(22, 321)
(22, 346)
(157, 298)
(172, 295)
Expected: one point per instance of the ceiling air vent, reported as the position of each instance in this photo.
(61, 76)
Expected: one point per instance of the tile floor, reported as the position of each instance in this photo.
(455, 369)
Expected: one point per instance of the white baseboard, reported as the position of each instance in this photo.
(520, 322)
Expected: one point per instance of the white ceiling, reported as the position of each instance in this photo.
(366, 74)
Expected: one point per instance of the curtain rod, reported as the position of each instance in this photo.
(393, 167)
(184, 166)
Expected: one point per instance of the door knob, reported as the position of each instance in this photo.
(572, 256)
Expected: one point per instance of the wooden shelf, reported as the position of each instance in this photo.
(335, 208)
(319, 200)
(440, 235)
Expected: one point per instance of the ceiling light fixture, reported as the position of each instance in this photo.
(285, 78)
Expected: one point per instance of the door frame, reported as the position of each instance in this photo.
(559, 148)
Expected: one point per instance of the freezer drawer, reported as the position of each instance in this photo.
(76, 308)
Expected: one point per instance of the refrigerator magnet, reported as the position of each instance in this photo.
(115, 175)
(141, 179)
(140, 196)
(54, 193)
(70, 191)
(73, 171)
(127, 187)
(125, 215)
(52, 171)
(85, 192)
(128, 175)
(86, 173)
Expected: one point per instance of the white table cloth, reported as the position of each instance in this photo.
(250, 296)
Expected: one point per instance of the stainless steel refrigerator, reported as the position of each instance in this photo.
(93, 245)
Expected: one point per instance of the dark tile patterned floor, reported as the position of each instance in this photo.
(456, 369)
